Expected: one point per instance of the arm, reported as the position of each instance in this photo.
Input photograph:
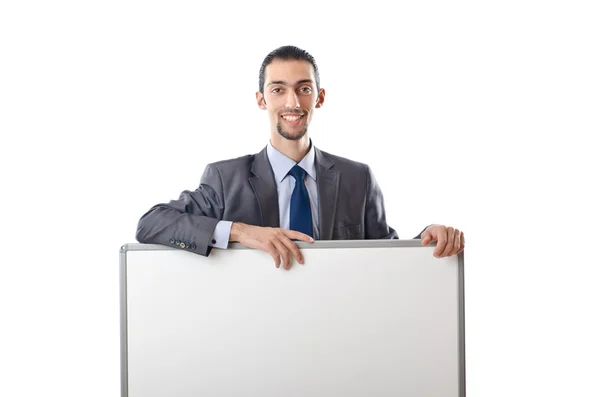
(450, 241)
(194, 221)
(190, 220)
(376, 226)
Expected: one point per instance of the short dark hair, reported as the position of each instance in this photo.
(286, 53)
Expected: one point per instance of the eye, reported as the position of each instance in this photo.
(306, 90)
(276, 90)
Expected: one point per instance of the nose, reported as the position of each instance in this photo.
(291, 100)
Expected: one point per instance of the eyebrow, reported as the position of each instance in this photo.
(283, 82)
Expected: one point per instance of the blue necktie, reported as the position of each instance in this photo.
(300, 213)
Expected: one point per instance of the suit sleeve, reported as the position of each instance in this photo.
(376, 226)
(189, 222)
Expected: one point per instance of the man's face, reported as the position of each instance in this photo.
(290, 96)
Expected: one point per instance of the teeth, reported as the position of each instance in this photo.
(291, 118)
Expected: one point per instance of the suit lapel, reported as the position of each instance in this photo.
(327, 184)
(265, 189)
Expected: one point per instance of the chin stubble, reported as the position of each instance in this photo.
(290, 137)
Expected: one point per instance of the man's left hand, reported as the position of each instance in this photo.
(450, 241)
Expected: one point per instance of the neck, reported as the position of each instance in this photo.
(296, 150)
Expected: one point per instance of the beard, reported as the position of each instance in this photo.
(289, 136)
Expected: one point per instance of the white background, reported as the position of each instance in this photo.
(480, 115)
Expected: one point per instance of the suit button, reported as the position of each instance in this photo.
(214, 241)
(187, 246)
(177, 242)
(172, 241)
(193, 246)
(182, 244)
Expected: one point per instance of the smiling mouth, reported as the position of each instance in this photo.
(292, 118)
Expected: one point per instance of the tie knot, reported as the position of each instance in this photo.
(298, 173)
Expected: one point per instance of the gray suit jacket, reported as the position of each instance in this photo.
(244, 190)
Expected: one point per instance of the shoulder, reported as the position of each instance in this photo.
(228, 169)
(233, 163)
(238, 164)
(342, 163)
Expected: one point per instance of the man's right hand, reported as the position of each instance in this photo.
(277, 242)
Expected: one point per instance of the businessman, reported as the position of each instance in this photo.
(289, 191)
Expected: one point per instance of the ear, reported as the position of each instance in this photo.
(320, 98)
(260, 100)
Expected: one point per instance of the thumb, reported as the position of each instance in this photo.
(425, 239)
(428, 236)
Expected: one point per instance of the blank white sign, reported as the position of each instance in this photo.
(359, 318)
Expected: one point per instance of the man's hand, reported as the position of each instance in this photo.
(450, 241)
(277, 242)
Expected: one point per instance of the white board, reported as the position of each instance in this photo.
(359, 318)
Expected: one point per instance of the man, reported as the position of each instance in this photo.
(256, 199)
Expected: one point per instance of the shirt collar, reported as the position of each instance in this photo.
(282, 164)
